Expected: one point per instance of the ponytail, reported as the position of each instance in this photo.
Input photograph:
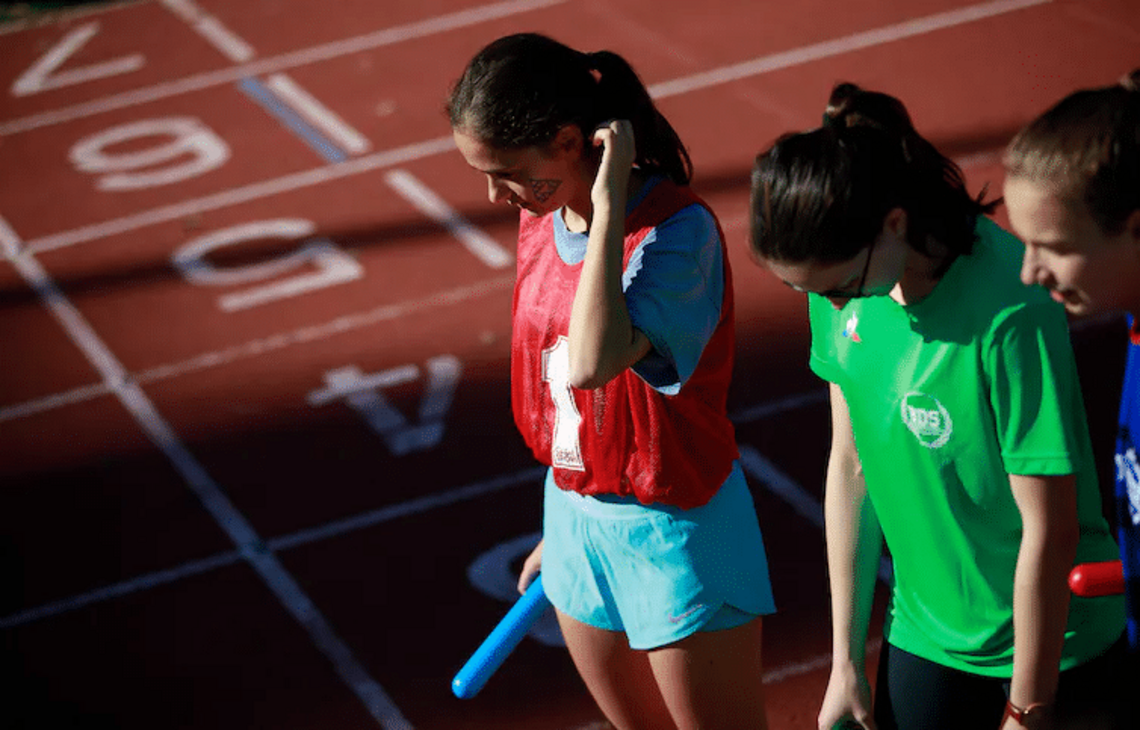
(622, 95)
(823, 195)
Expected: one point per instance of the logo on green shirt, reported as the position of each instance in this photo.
(927, 419)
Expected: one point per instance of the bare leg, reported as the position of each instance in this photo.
(619, 678)
(714, 680)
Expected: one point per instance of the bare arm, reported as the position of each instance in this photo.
(603, 341)
(854, 546)
(1050, 532)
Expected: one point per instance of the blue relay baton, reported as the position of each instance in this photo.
(500, 642)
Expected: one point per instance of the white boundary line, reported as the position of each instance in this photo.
(263, 345)
(82, 394)
(212, 30)
(839, 46)
(286, 542)
(425, 200)
(779, 674)
(319, 115)
(325, 52)
(801, 501)
(138, 584)
(213, 498)
(244, 194)
(776, 481)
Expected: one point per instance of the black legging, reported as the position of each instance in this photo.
(916, 694)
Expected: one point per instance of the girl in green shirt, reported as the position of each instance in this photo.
(958, 436)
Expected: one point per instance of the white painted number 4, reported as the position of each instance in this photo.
(364, 394)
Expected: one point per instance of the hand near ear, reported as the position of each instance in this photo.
(618, 153)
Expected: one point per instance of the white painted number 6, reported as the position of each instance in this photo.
(193, 149)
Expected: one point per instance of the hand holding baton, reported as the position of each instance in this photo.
(500, 642)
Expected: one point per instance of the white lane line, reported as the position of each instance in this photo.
(325, 52)
(792, 402)
(137, 584)
(233, 47)
(210, 28)
(780, 484)
(482, 246)
(372, 518)
(244, 194)
(319, 115)
(302, 537)
(779, 674)
(799, 499)
(838, 46)
(213, 498)
(340, 325)
(81, 394)
(265, 345)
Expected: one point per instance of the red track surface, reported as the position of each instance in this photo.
(165, 461)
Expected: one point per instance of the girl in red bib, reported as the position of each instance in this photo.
(621, 357)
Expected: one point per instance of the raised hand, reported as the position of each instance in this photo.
(618, 153)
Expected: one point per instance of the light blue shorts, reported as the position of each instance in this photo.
(656, 572)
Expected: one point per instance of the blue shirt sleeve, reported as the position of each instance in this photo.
(1128, 491)
(674, 287)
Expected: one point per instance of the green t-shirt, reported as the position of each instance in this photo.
(948, 397)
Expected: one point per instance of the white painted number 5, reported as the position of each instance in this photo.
(316, 264)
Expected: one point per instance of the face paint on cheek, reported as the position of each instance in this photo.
(544, 189)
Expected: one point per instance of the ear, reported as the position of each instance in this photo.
(1132, 226)
(568, 141)
(895, 223)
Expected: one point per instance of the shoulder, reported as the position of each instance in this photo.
(993, 278)
(692, 223)
(662, 200)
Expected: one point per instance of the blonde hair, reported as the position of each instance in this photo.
(1086, 149)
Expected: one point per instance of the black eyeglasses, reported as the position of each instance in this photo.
(847, 293)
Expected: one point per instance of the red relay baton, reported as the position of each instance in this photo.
(1090, 580)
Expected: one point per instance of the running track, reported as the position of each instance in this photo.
(257, 459)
